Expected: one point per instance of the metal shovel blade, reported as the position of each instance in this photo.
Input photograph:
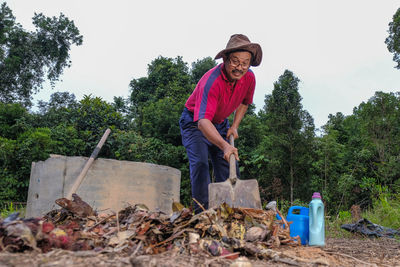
(234, 192)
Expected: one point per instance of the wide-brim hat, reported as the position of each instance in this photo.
(241, 42)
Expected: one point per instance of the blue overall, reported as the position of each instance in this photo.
(198, 150)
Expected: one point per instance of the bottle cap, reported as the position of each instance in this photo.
(316, 195)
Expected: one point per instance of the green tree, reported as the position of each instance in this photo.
(8, 182)
(32, 146)
(166, 78)
(26, 58)
(158, 100)
(161, 120)
(289, 134)
(328, 166)
(94, 116)
(14, 120)
(379, 124)
(61, 109)
(393, 40)
(200, 67)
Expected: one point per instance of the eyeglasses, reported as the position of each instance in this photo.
(236, 63)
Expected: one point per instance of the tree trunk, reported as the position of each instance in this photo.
(291, 176)
(325, 171)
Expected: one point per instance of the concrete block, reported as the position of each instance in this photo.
(108, 185)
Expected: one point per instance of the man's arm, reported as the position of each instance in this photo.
(212, 135)
(239, 114)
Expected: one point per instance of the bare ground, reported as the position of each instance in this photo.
(337, 252)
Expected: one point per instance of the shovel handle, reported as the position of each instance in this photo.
(85, 169)
(232, 162)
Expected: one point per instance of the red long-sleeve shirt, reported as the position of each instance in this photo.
(214, 97)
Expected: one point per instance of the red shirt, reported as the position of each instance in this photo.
(215, 98)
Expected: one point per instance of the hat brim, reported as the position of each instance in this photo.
(254, 49)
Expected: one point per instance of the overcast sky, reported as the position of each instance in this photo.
(336, 48)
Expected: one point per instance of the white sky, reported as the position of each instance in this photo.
(336, 48)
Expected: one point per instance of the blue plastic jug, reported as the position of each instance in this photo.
(299, 227)
(317, 221)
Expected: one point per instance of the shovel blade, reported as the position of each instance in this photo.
(244, 194)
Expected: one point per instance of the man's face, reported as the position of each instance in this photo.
(237, 64)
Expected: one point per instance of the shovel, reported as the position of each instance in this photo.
(234, 192)
(85, 169)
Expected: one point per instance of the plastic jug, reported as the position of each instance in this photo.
(317, 221)
(299, 227)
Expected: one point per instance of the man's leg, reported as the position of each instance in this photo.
(220, 165)
(197, 151)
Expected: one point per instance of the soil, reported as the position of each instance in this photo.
(337, 252)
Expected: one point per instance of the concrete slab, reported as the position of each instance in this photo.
(109, 184)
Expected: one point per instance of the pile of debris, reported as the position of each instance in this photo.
(223, 231)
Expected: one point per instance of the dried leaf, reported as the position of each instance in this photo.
(176, 206)
(121, 237)
(237, 230)
(143, 228)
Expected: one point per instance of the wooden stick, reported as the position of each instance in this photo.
(85, 169)
(351, 257)
(137, 248)
(198, 203)
(201, 206)
(117, 222)
(100, 222)
(283, 218)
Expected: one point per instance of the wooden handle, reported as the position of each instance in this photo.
(232, 162)
(85, 169)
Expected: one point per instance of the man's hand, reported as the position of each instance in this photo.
(232, 131)
(228, 150)
(212, 135)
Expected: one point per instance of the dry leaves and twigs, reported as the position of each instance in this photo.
(224, 231)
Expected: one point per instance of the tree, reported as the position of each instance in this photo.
(61, 109)
(393, 40)
(26, 58)
(289, 134)
(379, 123)
(166, 77)
(158, 99)
(14, 120)
(200, 67)
(328, 165)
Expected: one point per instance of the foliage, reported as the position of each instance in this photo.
(14, 120)
(385, 210)
(333, 225)
(9, 208)
(288, 136)
(355, 160)
(93, 117)
(8, 183)
(167, 78)
(27, 57)
(161, 120)
(200, 67)
(284, 205)
(157, 101)
(393, 40)
(62, 107)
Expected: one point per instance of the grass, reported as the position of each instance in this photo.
(332, 225)
(10, 207)
(385, 212)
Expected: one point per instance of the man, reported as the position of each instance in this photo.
(205, 129)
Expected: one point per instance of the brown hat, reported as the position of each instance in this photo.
(241, 42)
